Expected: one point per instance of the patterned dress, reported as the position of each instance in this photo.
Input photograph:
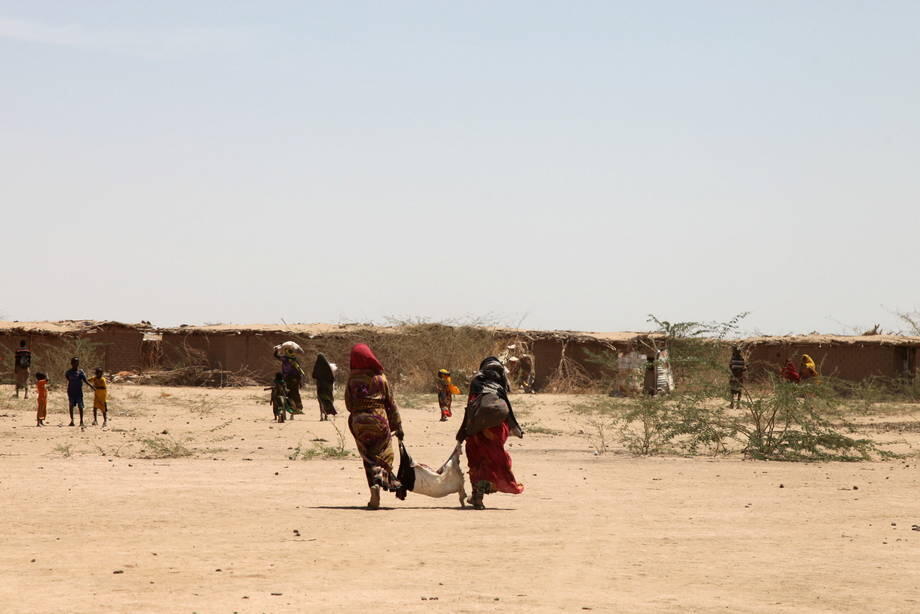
(445, 396)
(373, 416)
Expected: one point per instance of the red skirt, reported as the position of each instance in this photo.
(489, 462)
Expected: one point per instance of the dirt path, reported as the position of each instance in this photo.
(238, 527)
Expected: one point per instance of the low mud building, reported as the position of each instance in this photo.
(846, 357)
(563, 360)
(114, 346)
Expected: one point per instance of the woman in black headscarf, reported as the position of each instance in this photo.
(487, 422)
(324, 377)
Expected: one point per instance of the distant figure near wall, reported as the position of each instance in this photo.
(22, 363)
(293, 373)
(736, 366)
(790, 373)
(650, 384)
(808, 369)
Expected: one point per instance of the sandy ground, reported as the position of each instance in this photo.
(90, 526)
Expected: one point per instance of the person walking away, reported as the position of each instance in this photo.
(293, 377)
(76, 378)
(487, 421)
(22, 362)
(372, 419)
(446, 392)
(100, 397)
(737, 366)
(41, 388)
(324, 376)
(808, 369)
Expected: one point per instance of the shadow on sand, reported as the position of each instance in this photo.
(384, 508)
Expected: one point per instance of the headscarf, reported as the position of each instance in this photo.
(444, 375)
(322, 370)
(808, 363)
(491, 377)
(363, 358)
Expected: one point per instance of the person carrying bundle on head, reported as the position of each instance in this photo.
(446, 392)
(292, 372)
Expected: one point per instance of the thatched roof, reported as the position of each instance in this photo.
(903, 340)
(326, 330)
(292, 329)
(64, 327)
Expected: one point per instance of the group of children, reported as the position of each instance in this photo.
(76, 379)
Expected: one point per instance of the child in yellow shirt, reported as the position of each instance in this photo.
(446, 392)
(100, 397)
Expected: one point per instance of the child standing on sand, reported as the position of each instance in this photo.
(446, 392)
(100, 397)
(41, 387)
(279, 399)
(75, 379)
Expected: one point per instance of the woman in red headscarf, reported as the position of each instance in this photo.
(372, 418)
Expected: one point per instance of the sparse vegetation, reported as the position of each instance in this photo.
(540, 430)
(320, 448)
(162, 446)
(422, 347)
(782, 421)
(64, 449)
(599, 436)
(645, 428)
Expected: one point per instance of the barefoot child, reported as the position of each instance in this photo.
(446, 392)
(75, 379)
(41, 387)
(100, 397)
(279, 399)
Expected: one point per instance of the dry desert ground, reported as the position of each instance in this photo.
(93, 521)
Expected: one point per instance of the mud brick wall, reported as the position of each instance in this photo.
(847, 361)
(120, 348)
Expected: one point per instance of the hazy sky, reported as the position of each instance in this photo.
(559, 164)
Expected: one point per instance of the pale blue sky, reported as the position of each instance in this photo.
(561, 164)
